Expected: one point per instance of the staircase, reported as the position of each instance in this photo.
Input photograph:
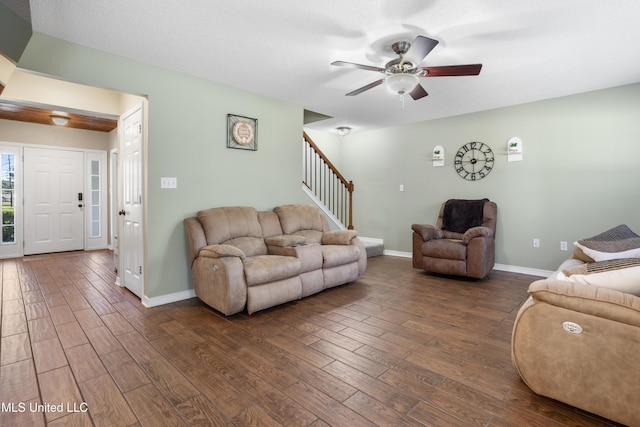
(331, 192)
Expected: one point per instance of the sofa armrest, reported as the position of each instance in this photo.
(287, 240)
(221, 251)
(195, 237)
(427, 231)
(593, 366)
(597, 301)
(338, 237)
(476, 232)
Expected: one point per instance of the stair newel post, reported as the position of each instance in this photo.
(351, 188)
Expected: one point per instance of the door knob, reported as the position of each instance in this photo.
(122, 212)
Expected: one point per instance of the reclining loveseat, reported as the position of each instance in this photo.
(242, 258)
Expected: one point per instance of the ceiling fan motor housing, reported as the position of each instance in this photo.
(396, 66)
(401, 47)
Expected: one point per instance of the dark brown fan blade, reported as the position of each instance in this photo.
(453, 70)
(367, 87)
(418, 92)
(358, 66)
(419, 49)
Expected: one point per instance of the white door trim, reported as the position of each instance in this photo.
(19, 146)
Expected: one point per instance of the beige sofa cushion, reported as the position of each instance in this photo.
(237, 226)
(270, 224)
(269, 268)
(304, 220)
(334, 255)
(338, 237)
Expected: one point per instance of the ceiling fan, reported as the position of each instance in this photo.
(402, 73)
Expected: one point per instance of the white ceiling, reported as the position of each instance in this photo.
(530, 50)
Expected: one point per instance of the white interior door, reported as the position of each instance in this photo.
(53, 200)
(132, 236)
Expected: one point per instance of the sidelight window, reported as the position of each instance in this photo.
(94, 200)
(8, 198)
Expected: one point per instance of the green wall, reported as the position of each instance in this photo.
(187, 140)
(580, 173)
(14, 33)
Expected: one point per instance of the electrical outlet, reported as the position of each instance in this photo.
(401, 187)
(536, 242)
(563, 246)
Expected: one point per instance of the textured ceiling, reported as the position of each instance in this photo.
(530, 50)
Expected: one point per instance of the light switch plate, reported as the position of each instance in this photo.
(168, 182)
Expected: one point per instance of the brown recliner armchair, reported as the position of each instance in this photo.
(461, 243)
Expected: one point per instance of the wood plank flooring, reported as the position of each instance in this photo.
(398, 347)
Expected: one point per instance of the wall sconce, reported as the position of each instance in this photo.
(343, 130)
(514, 149)
(438, 156)
(60, 120)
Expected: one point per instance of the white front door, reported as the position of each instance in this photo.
(132, 236)
(53, 200)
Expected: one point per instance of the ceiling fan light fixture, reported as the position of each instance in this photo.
(402, 83)
(343, 130)
(60, 120)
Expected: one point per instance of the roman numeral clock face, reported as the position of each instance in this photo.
(474, 161)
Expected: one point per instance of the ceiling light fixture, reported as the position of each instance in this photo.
(60, 120)
(343, 130)
(402, 83)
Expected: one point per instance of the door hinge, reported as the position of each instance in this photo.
(140, 270)
(140, 129)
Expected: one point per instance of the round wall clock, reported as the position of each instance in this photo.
(474, 161)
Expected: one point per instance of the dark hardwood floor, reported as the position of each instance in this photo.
(396, 348)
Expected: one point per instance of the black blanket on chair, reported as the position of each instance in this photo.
(460, 215)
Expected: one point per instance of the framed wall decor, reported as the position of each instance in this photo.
(242, 132)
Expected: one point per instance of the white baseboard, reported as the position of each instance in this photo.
(397, 253)
(372, 240)
(499, 267)
(168, 299)
(523, 270)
